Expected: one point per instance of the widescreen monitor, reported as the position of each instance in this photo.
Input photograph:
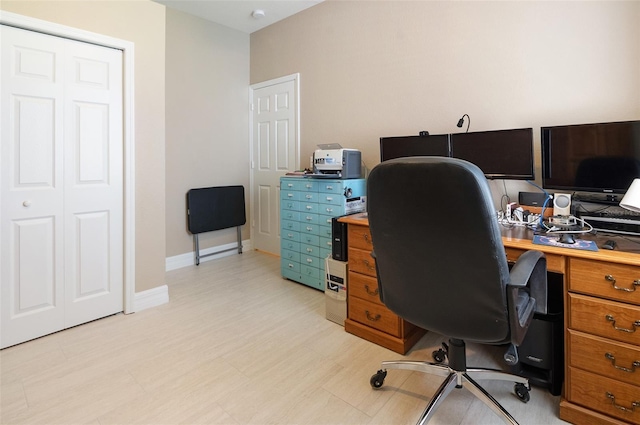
(600, 158)
(406, 146)
(500, 154)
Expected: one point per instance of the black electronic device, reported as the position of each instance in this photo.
(500, 154)
(532, 199)
(406, 146)
(600, 158)
(339, 248)
(610, 244)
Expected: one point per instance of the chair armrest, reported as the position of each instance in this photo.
(526, 293)
(530, 270)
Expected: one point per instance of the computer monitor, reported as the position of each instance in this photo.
(405, 146)
(599, 158)
(500, 154)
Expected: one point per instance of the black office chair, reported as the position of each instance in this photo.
(442, 266)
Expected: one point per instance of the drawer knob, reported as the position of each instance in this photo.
(610, 278)
(366, 238)
(371, 317)
(635, 324)
(632, 369)
(634, 404)
(370, 292)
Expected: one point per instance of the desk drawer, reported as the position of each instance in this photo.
(555, 263)
(374, 315)
(360, 237)
(365, 287)
(608, 319)
(361, 261)
(605, 395)
(615, 281)
(605, 357)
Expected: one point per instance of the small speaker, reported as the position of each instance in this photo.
(561, 204)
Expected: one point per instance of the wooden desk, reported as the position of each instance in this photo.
(602, 319)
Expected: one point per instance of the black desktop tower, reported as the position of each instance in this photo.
(542, 351)
(339, 250)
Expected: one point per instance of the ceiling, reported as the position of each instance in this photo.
(237, 14)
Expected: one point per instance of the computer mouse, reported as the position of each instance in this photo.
(610, 244)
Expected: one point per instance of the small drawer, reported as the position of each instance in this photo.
(331, 209)
(374, 315)
(308, 197)
(309, 239)
(608, 319)
(290, 236)
(365, 287)
(605, 357)
(290, 225)
(308, 207)
(310, 260)
(555, 263)
(288, 204)
(606, 395)
(290, 195)
(290, 245)
(331, 187)
(309, 218)
(290, 215)
(361, 262)
(313, 250)
(614, 281)
(325, 232)
(290, 255)
(291, 266)
(309, 229)
(360, 237)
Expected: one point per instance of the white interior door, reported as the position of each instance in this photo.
(61, 185)
(275, 151)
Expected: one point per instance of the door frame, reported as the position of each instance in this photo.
(296, 83)
(127, 47)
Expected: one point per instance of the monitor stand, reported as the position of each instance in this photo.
(567, 238)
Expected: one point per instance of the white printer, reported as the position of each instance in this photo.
(334, 161)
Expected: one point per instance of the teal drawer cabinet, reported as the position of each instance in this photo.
(306, 209)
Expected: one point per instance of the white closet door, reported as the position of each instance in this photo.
(61, 184)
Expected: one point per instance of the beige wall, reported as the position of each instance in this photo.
(207, 120)
(388, 68)
(143, 23)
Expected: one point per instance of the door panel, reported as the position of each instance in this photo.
(275, 152)
(61, 185)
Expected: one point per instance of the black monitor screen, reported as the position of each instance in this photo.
(602, 158)
(405, 146)
(500, 154)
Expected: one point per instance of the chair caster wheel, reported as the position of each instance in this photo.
(377, 379)
(439, 356)
(522, 392)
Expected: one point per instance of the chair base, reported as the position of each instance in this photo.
(459, 379)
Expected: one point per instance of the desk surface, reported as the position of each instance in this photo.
(627, 251)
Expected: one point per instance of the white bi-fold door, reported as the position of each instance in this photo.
(61, 184)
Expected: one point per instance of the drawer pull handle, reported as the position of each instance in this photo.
(372, 318)
(634, 365)
(366, 238)
(290, 265)
(635, 324)
(308, 218)
(369, 266)
(612, 279)
(309, 249)
(634, 404)
(370, 292)
(308, 207)
(309, 229)
(309, 260)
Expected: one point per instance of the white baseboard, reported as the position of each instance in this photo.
(189, 259)
(151, 298)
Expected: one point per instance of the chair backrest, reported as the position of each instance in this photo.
(439, 253)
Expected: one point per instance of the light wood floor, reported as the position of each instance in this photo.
(236, 344)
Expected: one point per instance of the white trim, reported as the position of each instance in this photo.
(151, 298)
(189, 259)
(127, 47)
(296, 84)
